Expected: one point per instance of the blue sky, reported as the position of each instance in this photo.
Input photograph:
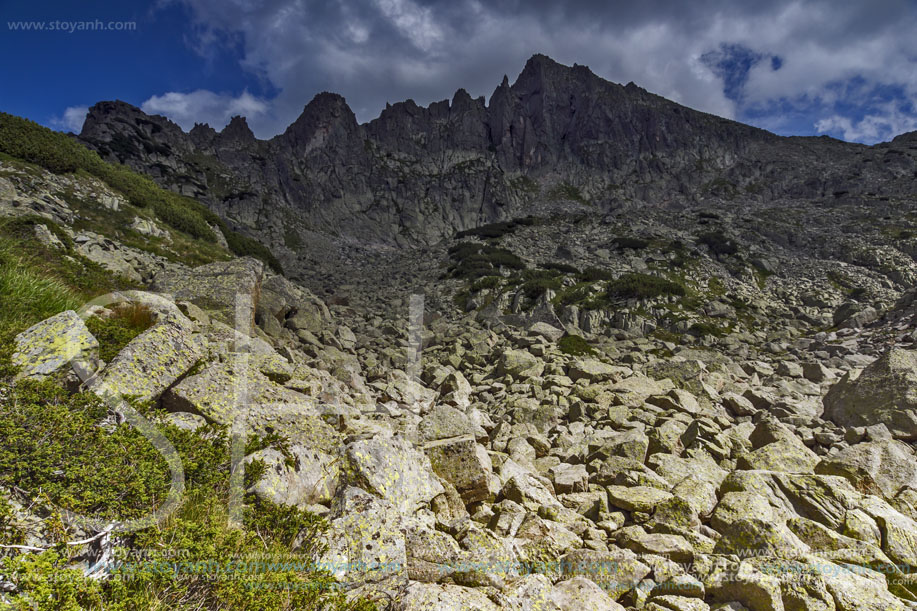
(848, 70)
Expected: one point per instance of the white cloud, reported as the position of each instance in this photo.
(378, 51)
(871, 128)
(204, 106)
(72, 120)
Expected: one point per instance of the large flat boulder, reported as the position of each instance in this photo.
(428, 596)
(365, 541)
(877, 467)
(214, 286)
(464, 463)
(884, 392)
(289, 302)
(221, 394)
(391, 468)
(580, 593)
(616, 571)
(152, 361)
(301, 477)
(520, 364)
(52, 344)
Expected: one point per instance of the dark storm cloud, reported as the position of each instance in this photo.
(736, 59)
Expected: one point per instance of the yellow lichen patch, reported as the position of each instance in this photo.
(152, 361)
(53, 343)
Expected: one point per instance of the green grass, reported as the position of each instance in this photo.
(29, 297)
(116, 331)
(37, 282)
(58, 153)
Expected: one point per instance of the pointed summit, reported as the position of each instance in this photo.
(237, 131)
(324, 109)
(326, 118)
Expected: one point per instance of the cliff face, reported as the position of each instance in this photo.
(417, 174)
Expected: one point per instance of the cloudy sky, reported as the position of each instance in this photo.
(843, 68)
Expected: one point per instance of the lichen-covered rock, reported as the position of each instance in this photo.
(884, 392)
(637, 498)
(221, 394)
(46, 347)
(757, 590)
(456, 390)
(391, 468)
(592, 370)
(284, 300)
(671, 546)
(628, 444)
(822, 498)
(152, 361)
(301, 478)
(765, 537)
(854, 589)
(444, 422)
(490, 560)
(520, 364)
(464, 463)
(365, 541)
(876, 467)
(547, 331)
(898, 532)
(214, 287)
(580, 593)
(569, 478)
(669, 602)
(532, 592)
(525, 489)
(432, 555)
(425, 597)
(783, 455)
(615, 571)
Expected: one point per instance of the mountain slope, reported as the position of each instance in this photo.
(415, 175)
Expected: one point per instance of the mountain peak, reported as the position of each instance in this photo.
(237, 130)
(326, 113)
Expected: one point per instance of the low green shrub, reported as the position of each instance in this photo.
(563, 268)
(497, 230)
(487, 282)
(473, 260)
(643, 286)
(595, 274)
(574, 345)
(536, 282)
(632, 243)
(584, 295)
(718, 243)
(706, 329)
